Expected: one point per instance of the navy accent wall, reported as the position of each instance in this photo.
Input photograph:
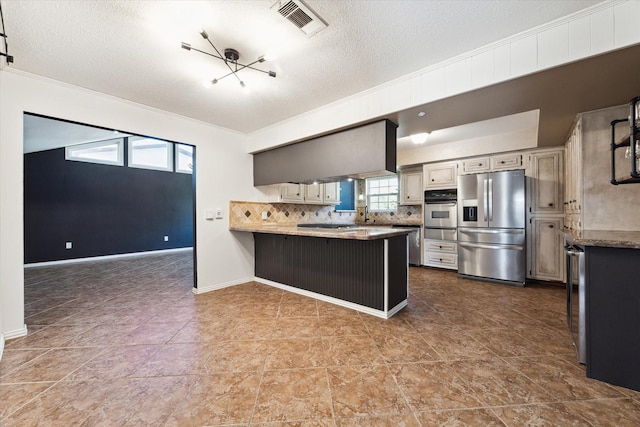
(101, 209)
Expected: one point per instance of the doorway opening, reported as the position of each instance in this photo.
(92, 192)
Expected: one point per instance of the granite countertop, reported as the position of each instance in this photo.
(604, 238)
(367, 232)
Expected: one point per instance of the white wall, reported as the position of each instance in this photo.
(602, 28)
(224, 172)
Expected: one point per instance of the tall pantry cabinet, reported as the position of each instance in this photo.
(545, 212)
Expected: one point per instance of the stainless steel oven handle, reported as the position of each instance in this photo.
(495, 247)
(451, 204)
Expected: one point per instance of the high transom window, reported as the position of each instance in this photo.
(110, 152)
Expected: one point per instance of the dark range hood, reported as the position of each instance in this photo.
(360, 152)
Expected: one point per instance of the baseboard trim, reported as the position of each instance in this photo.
(22, 332)
(105, 257)
(204, 289)
(332, 300)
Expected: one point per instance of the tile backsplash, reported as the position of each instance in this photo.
(242, 213)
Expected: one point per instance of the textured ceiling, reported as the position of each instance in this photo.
(131, 49)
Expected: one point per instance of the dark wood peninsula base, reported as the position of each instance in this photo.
(611, 283)
(613, 315)
(366, 275)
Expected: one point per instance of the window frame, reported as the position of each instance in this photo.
(177, 169)
(353, 184)
(396, 194)
(170, 157)
(68, 155)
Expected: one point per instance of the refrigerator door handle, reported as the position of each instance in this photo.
(491, 231)
(485, 200)
(490, 199)
(492, 246)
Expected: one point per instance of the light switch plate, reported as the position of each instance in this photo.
(208, 214)
(218, 213)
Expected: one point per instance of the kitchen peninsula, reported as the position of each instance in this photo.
(612, 298)
(363, 268)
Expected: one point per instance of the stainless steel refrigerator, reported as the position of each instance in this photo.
(491, 220)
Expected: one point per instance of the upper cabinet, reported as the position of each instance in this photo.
(411, 192)
(332, 193)
(506, 162)
(491, 163)
(573, 175)
(441, 175)
(288, 193)
(546, 173)
(314, 193)
(477, 165)
(320, 194)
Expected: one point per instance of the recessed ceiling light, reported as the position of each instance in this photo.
(422, 114)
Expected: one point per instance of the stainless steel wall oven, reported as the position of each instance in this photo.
(440, 214)
(440, 229)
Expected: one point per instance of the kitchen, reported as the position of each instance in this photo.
(228, 263)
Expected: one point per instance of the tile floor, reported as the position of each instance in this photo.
(128, 343)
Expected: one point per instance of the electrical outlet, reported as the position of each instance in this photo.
(218, 213)
(68, 245)
(166, 238)
(265, 215)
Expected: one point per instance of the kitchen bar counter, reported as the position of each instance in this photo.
(605, 238)
(366, 232)
(611, 275)
(362, 268)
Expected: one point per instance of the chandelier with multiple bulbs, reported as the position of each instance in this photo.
(230, 58)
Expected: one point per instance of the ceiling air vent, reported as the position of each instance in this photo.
(301, 16)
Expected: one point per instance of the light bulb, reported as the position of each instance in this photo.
(419, 138)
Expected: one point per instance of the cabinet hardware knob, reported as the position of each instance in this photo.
(432, 179)
(551, 204)
(550, 225)
(502, 162)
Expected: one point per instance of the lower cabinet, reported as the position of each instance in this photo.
(441, 253)
(545, 251)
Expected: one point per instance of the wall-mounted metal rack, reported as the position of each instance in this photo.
(631, 143)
